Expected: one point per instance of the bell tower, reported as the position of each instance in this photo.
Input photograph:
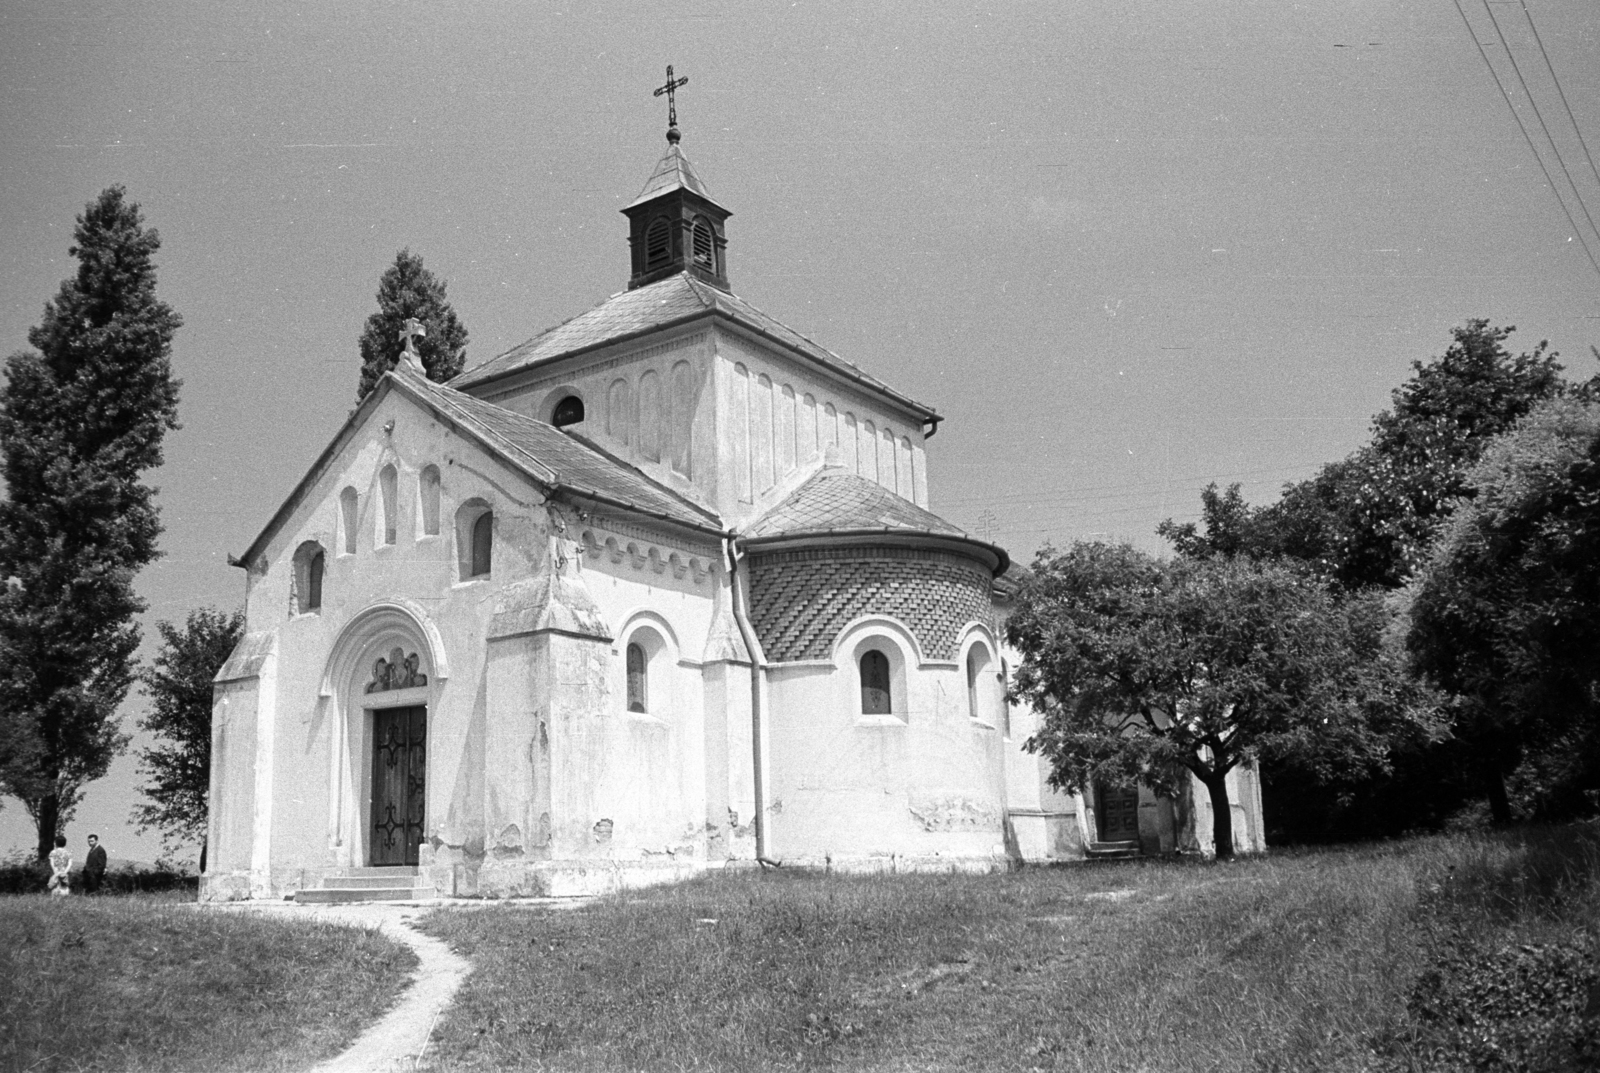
(673, 225)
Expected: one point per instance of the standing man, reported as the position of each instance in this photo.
(94, 866)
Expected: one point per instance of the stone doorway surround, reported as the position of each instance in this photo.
(364, 677)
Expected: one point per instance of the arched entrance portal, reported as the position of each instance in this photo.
(383, 677)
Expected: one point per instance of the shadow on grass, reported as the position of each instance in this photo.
(1536, 873)
(147, 983)
(1510, 924)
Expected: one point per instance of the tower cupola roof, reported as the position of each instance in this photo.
(673, 225)
(673, 172)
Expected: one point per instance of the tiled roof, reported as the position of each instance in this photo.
(543, 452)
(673, 170)
(665, 302)
(836, 500)
(555, 458)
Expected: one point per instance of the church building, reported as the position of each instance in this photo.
(657, 591)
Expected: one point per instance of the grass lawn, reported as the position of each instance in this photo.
(1337, 960)
(149, 983)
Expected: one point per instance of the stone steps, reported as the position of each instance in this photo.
(1111, 851)
(369, 885)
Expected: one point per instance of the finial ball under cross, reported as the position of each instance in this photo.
(670, 89)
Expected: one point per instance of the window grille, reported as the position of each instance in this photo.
(875, 695)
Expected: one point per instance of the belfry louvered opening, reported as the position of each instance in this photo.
(658, 244)
(705, 250)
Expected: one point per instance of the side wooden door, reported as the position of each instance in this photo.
(1118, 813)
(399, 784)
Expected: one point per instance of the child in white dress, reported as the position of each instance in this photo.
(60, 868)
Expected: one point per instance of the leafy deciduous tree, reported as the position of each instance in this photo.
(1507, 611)
(1143, 669)
(1368, 519)
(407, 290)
(81, 418)
(178, 684)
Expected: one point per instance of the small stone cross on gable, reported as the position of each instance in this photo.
(409, 333)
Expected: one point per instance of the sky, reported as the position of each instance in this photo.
(1125, 249)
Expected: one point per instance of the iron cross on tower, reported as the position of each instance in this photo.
(670, 89)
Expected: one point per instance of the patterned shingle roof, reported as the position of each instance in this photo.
(836, 500)
(672, 171)
(554, 458)
(674, 300)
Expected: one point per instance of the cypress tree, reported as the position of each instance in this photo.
(82, 416)
(407, 289)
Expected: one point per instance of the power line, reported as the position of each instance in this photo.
(1554, 190)
(1563, 93)
(1539, 115)
(1119, 490)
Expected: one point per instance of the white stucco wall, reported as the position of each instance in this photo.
(922, 787)
(293, 755)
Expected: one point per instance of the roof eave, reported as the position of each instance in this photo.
(592, 496)
(925, 413)
(991, 555)
(645, 199)
(861, 380)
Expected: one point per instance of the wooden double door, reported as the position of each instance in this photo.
(399, 784)
(1118, 813)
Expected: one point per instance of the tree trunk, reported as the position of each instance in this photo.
(1494, 785)
(202, 858)
(1221, 816)
(46, 820)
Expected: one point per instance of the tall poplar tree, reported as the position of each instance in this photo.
(82, 416)
(406, 290)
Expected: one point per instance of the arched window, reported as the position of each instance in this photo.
(876, 698)
(979, 690)
(638, 679)
(309, 563)
(972, 684)
(474, 539)
(657, 244)
(705, 246)
(569, 411)
(347, 518)
(428, 492)
(482, 543)
(388, 482)
(314, 581)
(1005, 698)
